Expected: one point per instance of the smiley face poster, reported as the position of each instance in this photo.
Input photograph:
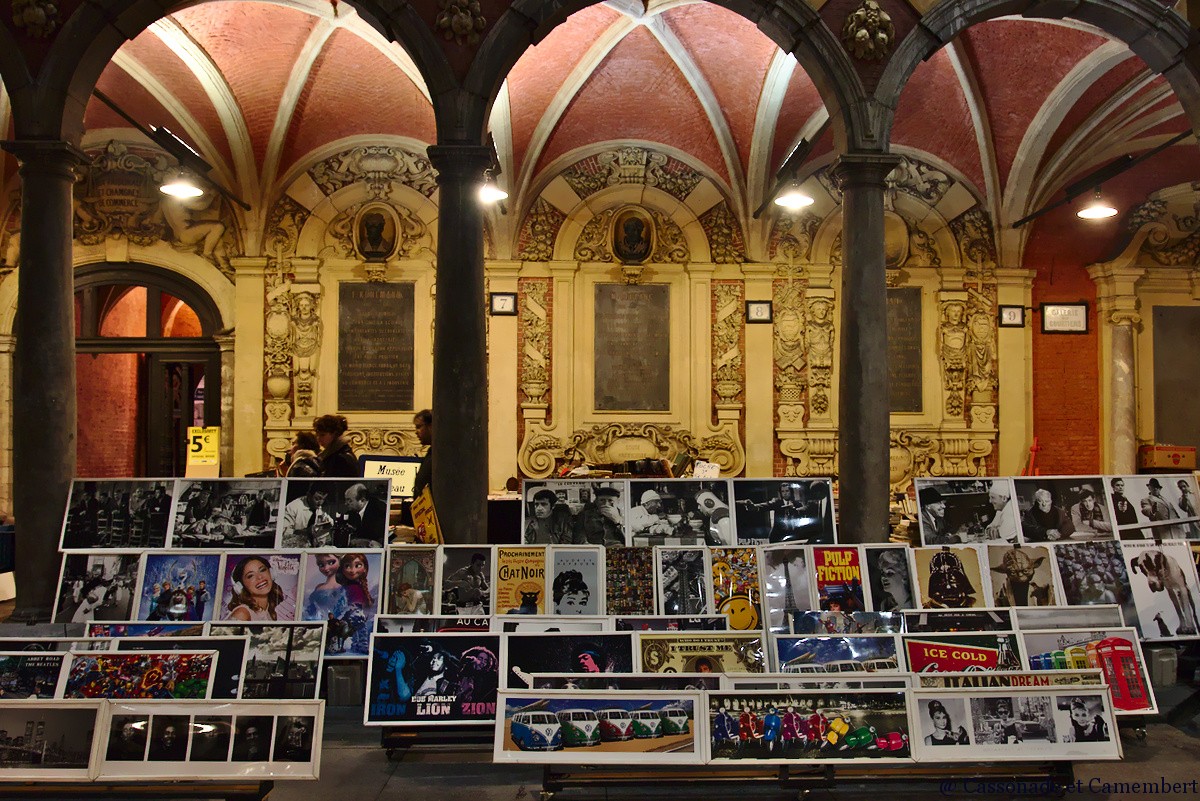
(735, 587)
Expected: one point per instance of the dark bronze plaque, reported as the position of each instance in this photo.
(633, 348)
(375, 346)
(904, 349)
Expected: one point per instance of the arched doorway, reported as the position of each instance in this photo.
(147, 367)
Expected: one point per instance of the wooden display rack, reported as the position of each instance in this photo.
(228, 790)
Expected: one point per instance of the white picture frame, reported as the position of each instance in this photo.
(61, 718)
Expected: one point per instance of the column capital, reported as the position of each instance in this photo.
(464, 162)
(225, 340)
(46, 155)
(864, 169)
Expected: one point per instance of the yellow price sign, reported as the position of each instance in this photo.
(203, 445)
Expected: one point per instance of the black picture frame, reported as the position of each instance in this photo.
(502, 304)
(1048, 311)
(759, 312)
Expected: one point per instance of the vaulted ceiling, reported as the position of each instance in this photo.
(1017, 108)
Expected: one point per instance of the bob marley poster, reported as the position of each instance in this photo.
(417, 679)
(839, 579)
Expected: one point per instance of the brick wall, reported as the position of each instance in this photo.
(108, 398)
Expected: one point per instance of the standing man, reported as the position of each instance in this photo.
(423, 424)
(933, 517)
(1123, 509)
(1003, 526)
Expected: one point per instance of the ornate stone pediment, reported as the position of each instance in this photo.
(619, 442)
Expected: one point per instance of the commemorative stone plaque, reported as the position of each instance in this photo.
(633, 348)
(375, 346)
(904, 349)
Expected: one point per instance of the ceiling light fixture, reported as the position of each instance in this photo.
(1097, 209)
(180, 185)
(490, 193)
(793, 198)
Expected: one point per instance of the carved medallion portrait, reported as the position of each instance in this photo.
(375, 232)
(632, 236)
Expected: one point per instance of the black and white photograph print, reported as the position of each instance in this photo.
(966, 510)
(118, 513)
(283, 659)
(211, 736)
(574, 512)
(466, 577)
(576, 580)
(226, 513)
(1082, 718)
(1162, 507)
(680, 512)
(96, 587)
(127, 735)
(335, 513)
(785, 585)
(1162, 576)
(252, 738)
(294, 738)
(798, 510)
(1094, 573)
(942, 721)
(44, 740)
(1064, 508)
(1021, 575)
(1012, 720)
(684, 582)
(168, 738)
(890, 578)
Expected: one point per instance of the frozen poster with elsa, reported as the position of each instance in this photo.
(342, 589)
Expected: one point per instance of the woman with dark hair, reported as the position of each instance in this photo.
(571, 593)
(337, 459)
(302, 458)
(943, 731)
(255, 595)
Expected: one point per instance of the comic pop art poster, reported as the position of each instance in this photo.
(418, 679)
(260, 587)
(341, 589)
(172, 674)
(521, 581)
(179, 586)
(839, 578)
(735, 587)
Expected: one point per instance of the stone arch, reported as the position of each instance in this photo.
(1159, 36)
(792, 24)
(58, 100)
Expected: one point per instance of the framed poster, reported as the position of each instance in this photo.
(684, 581)
(890, 583)
(574, 512)
(51, 741)
(779, 510)
(1073, 617)
(951, 577)
(521, 581)
(335, 513)
(230, 662)
(96, 586)
(409, 624)
(948, 620)
(412, 579)
(966, 510)
(735, 587)
(701, 652)
(818, 681)
(1093, 573)
(836, 653)
(1161, 507)
(522, 655)
(680, 511)
(1012, 678)
(838, 578)
(1162, 576)
(465, 573)
(157, 674)
(179, 586)
(670, 623)
(589, 728)
(998, 724)
(807, 726)
(342, 589)
(263, 586)
(785, 582)
(119, 514)
(1022, 575)
(527, 624)
(575, 577)
(1063, 508)
(814, 622)
(283, 661)
(626, 590)
(423, 679)
(206, 740)
(954, 653)
(1116, 652)
(30, 675)
(226, 513)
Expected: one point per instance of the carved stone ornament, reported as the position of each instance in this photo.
(535, 242)
(670, 245)
(934, 453)
(535, 335)
(868, 33)
(593, 242)
(631, 165)
(820, 357)
(378, 166)
(117, 197)
(791, 352)
(792, 236)
(724, 235)
(952, 350)
(37, 18)
(461, 20)
(974, 233)
(384, 441)
(284, 224)
(376, 232)
(727, 342)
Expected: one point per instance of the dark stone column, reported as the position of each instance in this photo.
(863, 426)
(460, 443)
(43, 369)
